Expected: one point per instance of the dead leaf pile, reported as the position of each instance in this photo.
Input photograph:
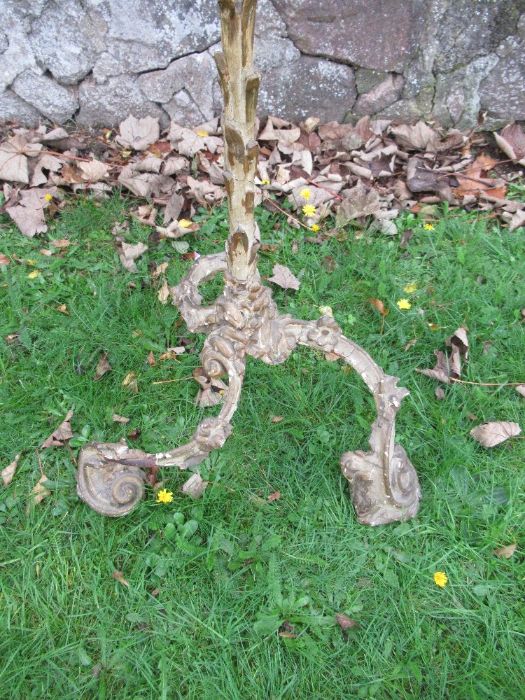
(368, 171)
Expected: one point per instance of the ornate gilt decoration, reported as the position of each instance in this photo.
(244, 320)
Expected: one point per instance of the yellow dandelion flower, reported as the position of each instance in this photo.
(48, 197)
(428, 227)
(202, 133)
(184, 223)
(164, 496)
(305, 193)
(33, 275)
(265, 181)
(315, 228)
(326, 311)
(404, 304)
(410, 288)
(440, 579)
(309, 210)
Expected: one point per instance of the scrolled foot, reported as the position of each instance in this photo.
(110, 477)
(382, 493)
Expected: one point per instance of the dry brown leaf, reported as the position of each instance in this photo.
(511, 140)
(8, 472)
(417, 137)
(45, 162)
(379, 306)
(103, 367)
(439, 393)
(138, 133)
(93, 170)
(283, 277)
(164, 292)
(345, 623)
(357, 202)
(120, 419)
(521, 389)
(28, 213)
(61, 435)
(60, 243)
(128, 253)
(151, 359)
(13, 158)
(494, 433)
(188, 142)
(130, 382)
(505, 552)
(517, 220)
(275, 496)
(62, 308)
(473, 179)
(4, 260)
(172, 353)
(119, 576)
(276, 419)
(440, 371)
(39, 491)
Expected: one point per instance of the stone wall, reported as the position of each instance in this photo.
(96, 61)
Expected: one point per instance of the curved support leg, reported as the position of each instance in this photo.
(111, 476)
(383, 482)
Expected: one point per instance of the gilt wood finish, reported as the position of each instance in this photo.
(244, 320)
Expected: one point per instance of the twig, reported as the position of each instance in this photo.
(169, 381)
(464, 381)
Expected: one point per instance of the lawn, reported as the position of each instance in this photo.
(234, 596)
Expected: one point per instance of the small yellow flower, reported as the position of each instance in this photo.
(326, 311)
(33, 275)
(184, 223)
(410, 288)
(428, 227)
(305, 194)
(404, 304)
(440, 579)
(164, 496)
(309, 210)
(265, 181)
(202, 133)
(315, 228)
(48, 197)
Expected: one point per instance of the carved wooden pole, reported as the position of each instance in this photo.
(244, 320)
(240, 88)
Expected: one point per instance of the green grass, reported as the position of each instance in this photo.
(211, 582)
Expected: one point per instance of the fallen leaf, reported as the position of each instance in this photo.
(172, 353)
(505, 552)
(275, 496)
(283, 277)
(511, 140)
(345, 623)
(416, 137)
(521, 389)
(60, 243)
(61, 435)
(28, 213)
(39, 491)
(119, 576)
(439, 393)
(13, 158)
(120, 419)
(276, 419)
(188, 143)
(473, 181)
(93, 170)
(379, 306)
(164, 292)
(130, 382)
(128, 253)
(103, 367)
(62, 308)
(357, 202)
(151, 359)
(494, 433)
(138, 133)
(8, 472)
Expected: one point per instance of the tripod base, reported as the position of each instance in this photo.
(245, 321)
